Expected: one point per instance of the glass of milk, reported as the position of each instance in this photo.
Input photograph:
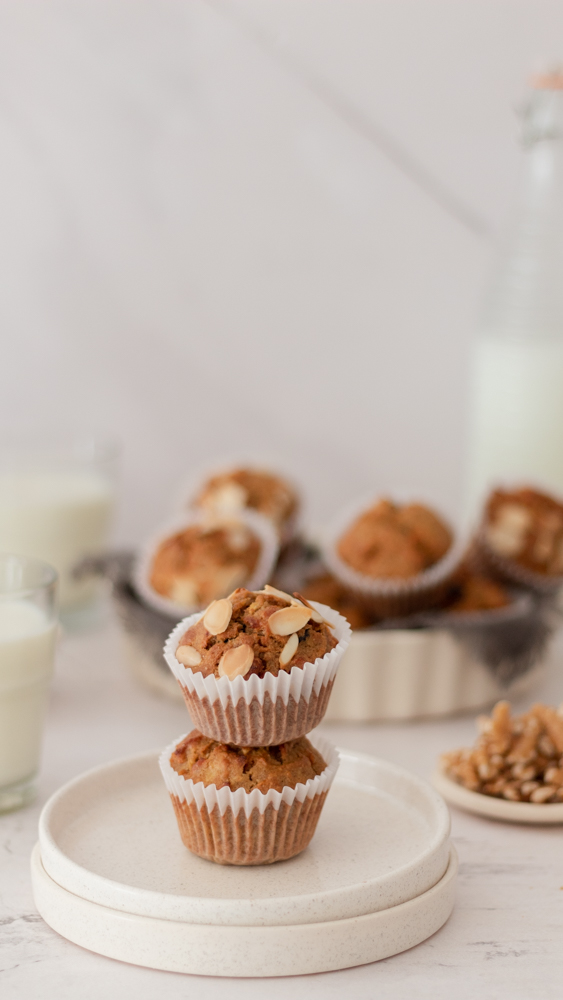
(56, 503)
(28, 628)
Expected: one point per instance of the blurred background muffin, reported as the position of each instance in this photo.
(326, 589)
(199, 559)
(526, 526)
(476, 592)
(204, 562)
(396, 558)
(393, 541)
(265, 492)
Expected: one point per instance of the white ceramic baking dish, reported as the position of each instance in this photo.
(413, 674)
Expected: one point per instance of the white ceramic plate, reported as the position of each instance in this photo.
(110, 837)
(227, 950)
(493, 808)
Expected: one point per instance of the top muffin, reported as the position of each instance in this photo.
(526, 526)
(222, 764)
(392, 541)
(231, 491)
(255, 633)
(203, 562)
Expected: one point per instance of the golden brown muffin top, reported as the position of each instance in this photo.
(204, 562)
(254, 488)
(221, 764)
(390, 541)
(527, 526)
(255, 633)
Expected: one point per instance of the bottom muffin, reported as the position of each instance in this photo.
(247, 805)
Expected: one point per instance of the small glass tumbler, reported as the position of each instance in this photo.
(28, 631)
(56, 502)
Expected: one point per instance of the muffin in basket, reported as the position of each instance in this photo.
(521, 538)
(247, 805)
(198, 559)
(328, 590)
(257, 489)
(257, 668)
(473, 592)
(397, 559)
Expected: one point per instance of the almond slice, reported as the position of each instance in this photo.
(278, 593)
(217, 617)
(188, 656)
(236, 662)
(288, 620)
(315, 615)
(288, 651)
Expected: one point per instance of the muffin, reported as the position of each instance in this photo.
(197, 560)
(476, 592)
(258, 667)
(395, 542)
(255, 639)
(204, 562)
(521, 537)
(247, 805)
(328, 590)
(395, 558)
(264, 492)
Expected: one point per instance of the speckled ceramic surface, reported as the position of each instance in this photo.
(488, 805)
(228, 950)
(110, 837)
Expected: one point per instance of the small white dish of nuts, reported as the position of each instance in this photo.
(514, 771)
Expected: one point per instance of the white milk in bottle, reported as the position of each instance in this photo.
(516, 430)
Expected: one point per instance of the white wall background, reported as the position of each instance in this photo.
(258, 226)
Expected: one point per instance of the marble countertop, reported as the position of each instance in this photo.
(503, 939)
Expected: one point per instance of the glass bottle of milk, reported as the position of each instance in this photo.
(516, 431)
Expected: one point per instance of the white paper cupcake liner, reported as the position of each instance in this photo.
(386, 597)
(260, 526)
(248, 828)
(260, 711)
(510, 571)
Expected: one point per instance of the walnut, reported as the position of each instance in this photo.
(514, 758)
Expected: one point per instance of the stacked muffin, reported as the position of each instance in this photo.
(256, 671)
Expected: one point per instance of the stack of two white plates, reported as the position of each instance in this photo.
(111, 874)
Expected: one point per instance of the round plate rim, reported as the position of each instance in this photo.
(493, 808)
(366, 938)
(80, 874)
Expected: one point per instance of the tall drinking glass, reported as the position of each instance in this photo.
(28, 628)
(56, 503)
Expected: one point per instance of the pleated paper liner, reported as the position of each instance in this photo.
(389, 597)
(509, 571)
(260, 711)
(248, 828)
(258, 525)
